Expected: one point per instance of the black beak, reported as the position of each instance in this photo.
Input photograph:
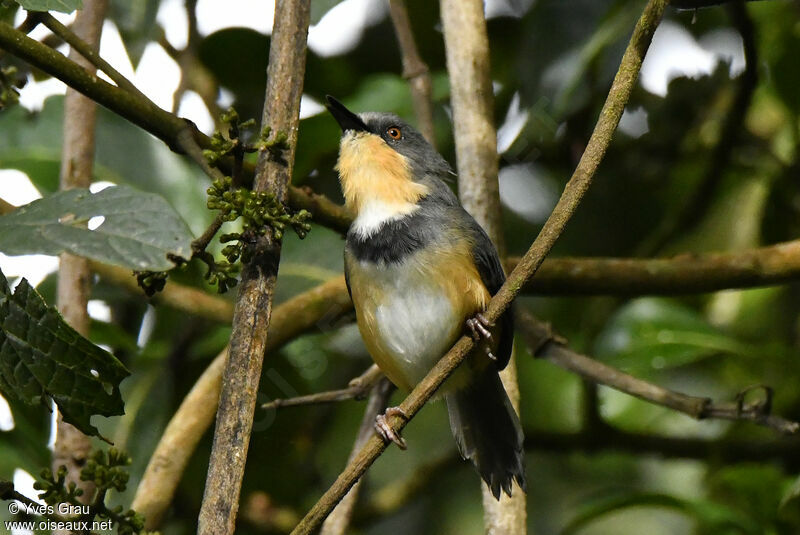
(346, 118)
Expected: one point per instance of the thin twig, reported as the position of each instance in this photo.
(318, 308)
(546, 345)
(287, 60)
(339, 519)
(566, 206)
(88, 52)
(414, 69)
(357, 389)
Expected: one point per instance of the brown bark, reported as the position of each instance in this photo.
(72, 447)
(287, 58)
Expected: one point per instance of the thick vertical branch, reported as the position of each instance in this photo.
(339, 519)
(471, 97)
(77, 161)
(414, 69)
(287, 60)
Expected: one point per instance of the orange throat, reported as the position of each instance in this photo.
(373, 175)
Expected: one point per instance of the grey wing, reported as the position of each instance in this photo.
(487, 261)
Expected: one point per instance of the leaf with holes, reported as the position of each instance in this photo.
(42, 357)
(138, 230)
(64, 6)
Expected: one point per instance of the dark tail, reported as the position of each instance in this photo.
(488, 432)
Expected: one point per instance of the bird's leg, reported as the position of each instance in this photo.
(385, 430)
(478, 327)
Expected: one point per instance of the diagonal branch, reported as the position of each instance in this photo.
(88, 53)
(545, 344)
(567, 204)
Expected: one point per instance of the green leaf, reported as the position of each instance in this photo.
(41, 356)
(136, 22)
(138, 232)
(64, 6)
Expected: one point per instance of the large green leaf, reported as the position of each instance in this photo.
(41, 356)
(126, 154)
(64, 6)
(139, 231)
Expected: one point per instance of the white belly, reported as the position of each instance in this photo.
(411, 321)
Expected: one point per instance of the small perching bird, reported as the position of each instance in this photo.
(420, 270)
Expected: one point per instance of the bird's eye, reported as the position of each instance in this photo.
(394, 132)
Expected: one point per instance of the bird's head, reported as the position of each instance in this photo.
(383, 160)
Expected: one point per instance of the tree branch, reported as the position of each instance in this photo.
(72, 448)
(682, 274)
(317, 308)
(339, 519)
(358, 388)
(88, 52)
(545, 344)
(414, 69)
(145, 114)
(287, 61)
(566, 206)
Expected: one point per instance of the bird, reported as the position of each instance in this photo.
(420, 272)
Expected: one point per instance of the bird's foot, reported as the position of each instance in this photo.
(385, 430)
(478, 327)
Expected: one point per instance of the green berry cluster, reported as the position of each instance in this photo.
(107, 471)
(151, 282)
(234, 145)
(258, 210)
(223, 274)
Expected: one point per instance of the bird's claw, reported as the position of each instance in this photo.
(385, 430)
(479, 327)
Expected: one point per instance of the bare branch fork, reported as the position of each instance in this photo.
(567, 204)
(545, 344)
